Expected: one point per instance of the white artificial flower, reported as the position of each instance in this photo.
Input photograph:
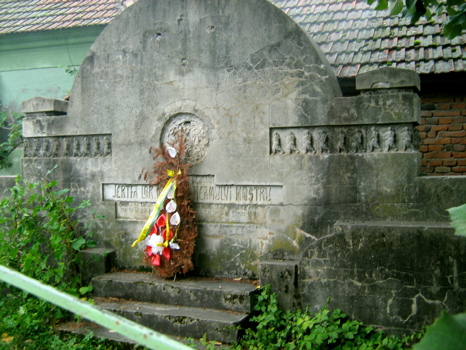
(171, 206)
(156, 242)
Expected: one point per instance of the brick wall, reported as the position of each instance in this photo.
(443, 135)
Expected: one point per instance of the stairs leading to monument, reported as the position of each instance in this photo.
(190, 307)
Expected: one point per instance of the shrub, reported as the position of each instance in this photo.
(327, 329)
(39, 238)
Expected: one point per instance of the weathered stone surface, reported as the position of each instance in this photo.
(398, 276)
(183, 321)
(41, 106)
(282, 276)
(196, 292)
(96, 261)
(278, 156)
(388, 78)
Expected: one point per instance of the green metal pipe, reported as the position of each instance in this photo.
(127, 328)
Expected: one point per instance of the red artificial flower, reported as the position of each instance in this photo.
(166, 253)
(161, 221)
(155, 260)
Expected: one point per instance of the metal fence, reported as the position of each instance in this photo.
(127, 328)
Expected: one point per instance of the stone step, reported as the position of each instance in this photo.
(183, 321)
(193, 292)
(122, 342)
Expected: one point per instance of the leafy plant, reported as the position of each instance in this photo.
(458, 219)
(415, 9)
(12, 123)
(40, 239)
(447, 333)
(327, 329)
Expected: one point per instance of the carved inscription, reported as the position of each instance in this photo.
(129, 193)
(343, 139)
(68, 146)
(135, 201)
(204, 190)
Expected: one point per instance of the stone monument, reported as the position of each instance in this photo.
(280, 160)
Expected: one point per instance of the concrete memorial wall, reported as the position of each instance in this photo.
(280, 160)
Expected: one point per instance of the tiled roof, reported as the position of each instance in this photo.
(354, 38)
(37, 15)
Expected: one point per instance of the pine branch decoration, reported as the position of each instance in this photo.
(175, 254)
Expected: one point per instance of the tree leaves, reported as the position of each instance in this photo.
(458, 219)
(447, 333)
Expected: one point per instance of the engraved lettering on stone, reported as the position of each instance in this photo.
(195, 131)
(203, 189)
(276, 143)
(291, 141)
(68, 146)
(373, 140)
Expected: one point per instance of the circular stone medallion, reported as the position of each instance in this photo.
(197, 138)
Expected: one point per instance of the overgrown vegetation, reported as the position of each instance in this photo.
(327, 329)
(453, 10)
(11, 123)
(40, 239)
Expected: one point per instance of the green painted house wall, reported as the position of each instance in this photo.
(34, 63)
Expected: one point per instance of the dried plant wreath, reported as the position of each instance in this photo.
(171, 230)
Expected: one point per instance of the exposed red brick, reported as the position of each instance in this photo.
(439, 155)
(437, 99)
(423, 121)
(426, 128)
(436, 162)
(459, 148)
(422, 135)
(460, 141)
(444, 106)
(459, 106)
(436, 148)
(459, 169)
(439, 128)
(425, 113)
(437, 141)
(432, 121)
(442, 169)
(462, 162)
(456, 127)
(452, 133)
(423, 162)
(449, 113)
(423, 148)
(458, 154)
(427, 170)
(450, 162)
